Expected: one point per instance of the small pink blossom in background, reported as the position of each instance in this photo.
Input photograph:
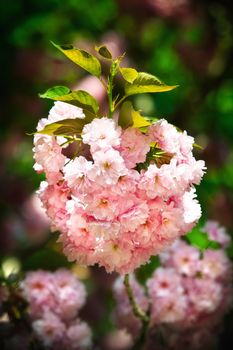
(186, 260)
(166, 283)
(188, 295)
(118, 340)
(113, 205)
(217, 233)
(54, 301)
(170, 309)
(79, 335)
(50, 329)
(179, 10)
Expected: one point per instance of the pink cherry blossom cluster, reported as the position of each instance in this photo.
(54, 300)
(188, 295)
(113, 203)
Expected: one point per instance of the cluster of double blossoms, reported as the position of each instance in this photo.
(54, 300)
(113, 203)
(188, 295)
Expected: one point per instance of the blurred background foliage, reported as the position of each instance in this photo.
(184, 42)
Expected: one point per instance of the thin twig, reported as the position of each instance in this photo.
(103, 83)
(119, 102)
(138, 312)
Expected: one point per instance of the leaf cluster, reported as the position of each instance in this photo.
(134, 83)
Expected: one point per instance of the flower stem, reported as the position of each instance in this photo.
(138, 312)
(113, 72)
(120, 101)
(109, 91)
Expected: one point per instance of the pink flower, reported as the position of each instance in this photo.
(78, 234)
(165, 282)
(79, 335)
(70, 294)
(214, 264)
(111, 253)
(49, 329)
(62, 110)
(169, 310)
(167, 219)
(192, 209)
(59, 292)
(37, 289)
(188, 293)
(54, 199)
(48, 157)
(54, 302)
(204, 294)
(158, 181)
(126, 183)
(165, 135)
(185, 143)
(135, 216)
(104, 230)
(108, 167)
(109, 212)
(197, 170)
(101, 134)
(118, 339)
(75, 173)
(102, 205)
(134, 147)
(216, 232)
(186, 259)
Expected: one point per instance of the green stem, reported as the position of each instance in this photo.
(139, 313)
(103, 83)
(142, 338)
(109, 92)
(120, 101)
(113, 72)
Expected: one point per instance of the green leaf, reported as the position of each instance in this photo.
(129, 74)
(47, 259)
(119, 59)
(82, 58)
(229, 250)
(139, 121)
(104, 52)
(198, 239)
(129, 117)
(65, 127)
(214, 245)
(197, 146)
(78, 98)
(145, 83)
(144, 272)
(55, 92)
(201, 240)
(125, 116)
